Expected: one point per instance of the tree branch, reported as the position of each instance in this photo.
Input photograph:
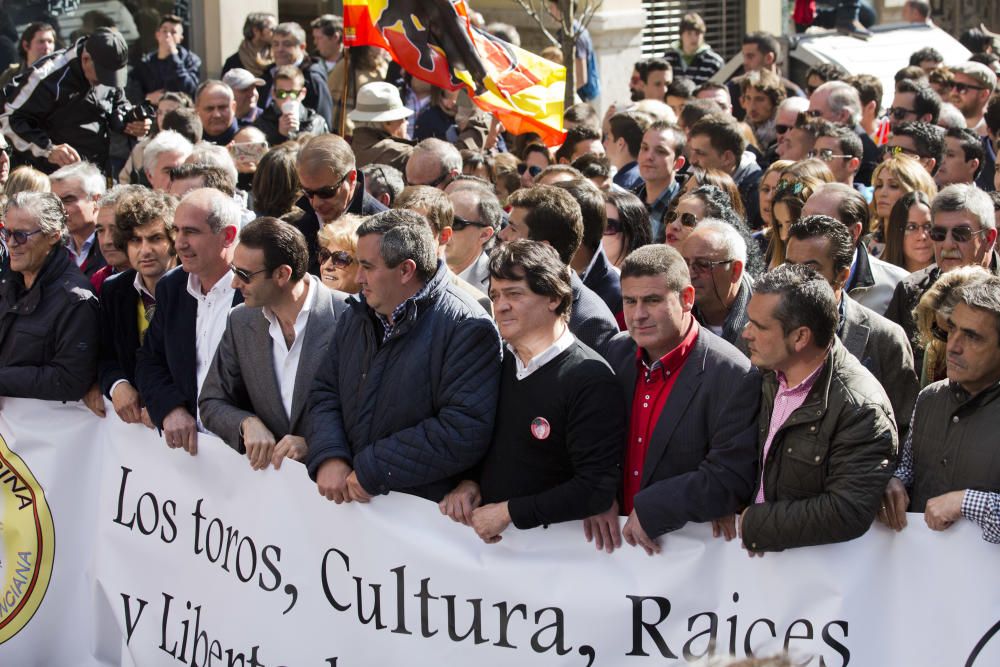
(529, 8)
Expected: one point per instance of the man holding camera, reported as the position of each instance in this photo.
(73, 100)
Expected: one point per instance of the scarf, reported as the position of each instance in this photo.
(254, 61)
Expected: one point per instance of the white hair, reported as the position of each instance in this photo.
(728, 237)
(91, 179)
(214, 156)
(223, 211)
(166, 141)
(843, 96)
(446, 154)
(794, 104)
(965, 197)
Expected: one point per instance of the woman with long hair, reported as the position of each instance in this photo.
(719, 179)
(628, 226)
(907, 236)
(709, 201)
(276, 185)
(892, 179)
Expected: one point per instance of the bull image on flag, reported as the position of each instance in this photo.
(434, 41)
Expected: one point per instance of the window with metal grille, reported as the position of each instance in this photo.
(724, 20)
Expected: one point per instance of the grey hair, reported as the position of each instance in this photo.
(293, 29)
(965, 197)
(214, 156)
(447, 155)
(223, 211)
(382, 179)
(950, 116)
(45, 207)
(166, 141)
(90, 177)
(983, 294)
(112, 196)
(487, 205)
(732, 242)
(843, 96)
(796, 104)
(405, 235)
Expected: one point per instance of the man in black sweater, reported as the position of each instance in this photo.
(560, 423)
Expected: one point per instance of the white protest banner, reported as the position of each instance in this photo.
(202, 561)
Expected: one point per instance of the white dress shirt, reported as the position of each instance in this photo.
(286, 359)
(545, 356)
(213, 312)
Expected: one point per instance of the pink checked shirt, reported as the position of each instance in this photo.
(786, 401)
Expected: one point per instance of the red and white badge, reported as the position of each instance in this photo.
(540, 428)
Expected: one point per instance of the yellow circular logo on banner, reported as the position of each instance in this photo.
(27, 543)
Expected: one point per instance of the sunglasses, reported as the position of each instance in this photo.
(704, 265)
(244, 275)
(899, 113)
(890, 151)
(686, 219)
(827, 155)
(781, 129)
(20, 238)
(458, 224)
(614, 227)
(341, 259)
(912, 228)
(7, 150)
(328, 191)
(960, 88)
(939, 333)
(961, 234)
(286, 94)
(533, 170)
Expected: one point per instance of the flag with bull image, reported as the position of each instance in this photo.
(435, 41)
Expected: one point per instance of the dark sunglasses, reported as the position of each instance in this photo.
(899, 113)
(686, 219)
(614, 227)
(458, 224)
(20, 238)
(781, 129)
(433, 184)
(327, 191)
(939, 333)
(960, 88)
(961, 234)
(341, 259)
(533, 170)
(7, 150)
(244, 275)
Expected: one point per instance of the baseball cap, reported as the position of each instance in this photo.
(241, 79)
(108, 50)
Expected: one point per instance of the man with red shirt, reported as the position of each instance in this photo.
(691, 401)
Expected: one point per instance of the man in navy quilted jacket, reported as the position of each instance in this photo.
(405, 397)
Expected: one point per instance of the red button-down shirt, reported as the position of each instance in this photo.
(653, 384)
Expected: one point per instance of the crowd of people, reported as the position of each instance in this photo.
(769, 306)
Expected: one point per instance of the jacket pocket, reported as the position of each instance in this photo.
(803, 463)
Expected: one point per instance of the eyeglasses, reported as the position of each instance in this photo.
(287, 94)
(827, 155)
(458, 224)
(961, 234)
(899, 113)
(781, 129)
(433, 184)
(341, 258)
(939, 333)
(891, 151)
(20, 238)
(701, 265)
(814, 113)
(960, 88)
(244, 275)
(614, 227)
(912, 227)
(686, 219)
(327, 191)
(533, 170)
(286, 43)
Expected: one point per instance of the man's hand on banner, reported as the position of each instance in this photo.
(331, 480)
(460, 503)
(125, 399)
(146, 419)
(943, 511)
(894, 504)
(181, 430)
(603, 529)
(290, 447)
(725, 527)
(739, 533)
(355, 490)
(258, 440)
(94, 400)
(635, 535)
(490, 520)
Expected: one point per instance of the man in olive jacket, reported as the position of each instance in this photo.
(826, 429)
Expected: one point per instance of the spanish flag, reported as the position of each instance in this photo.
(434, 41)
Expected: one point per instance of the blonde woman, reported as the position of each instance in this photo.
(26, 179)
(796, 184)
(338, 254)
(892, 179)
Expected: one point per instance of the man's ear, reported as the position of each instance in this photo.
(230, 235)
(445, 235)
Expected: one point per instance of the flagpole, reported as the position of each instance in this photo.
(343, 97)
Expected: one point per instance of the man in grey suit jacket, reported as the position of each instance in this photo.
(691, 401)
(478, 216)
(825, 245)
(256, 391)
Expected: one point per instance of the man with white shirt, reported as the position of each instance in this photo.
(192, 306)
(478, 215)
(256, 391)
(79, 186)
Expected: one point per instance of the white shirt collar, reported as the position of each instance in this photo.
(222, 285)
(303, 316)
(561, 344)
(593, 260)
(140, 286)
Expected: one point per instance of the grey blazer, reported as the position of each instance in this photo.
(241, 381)
(881, 347)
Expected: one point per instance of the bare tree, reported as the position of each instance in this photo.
(573, 17)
